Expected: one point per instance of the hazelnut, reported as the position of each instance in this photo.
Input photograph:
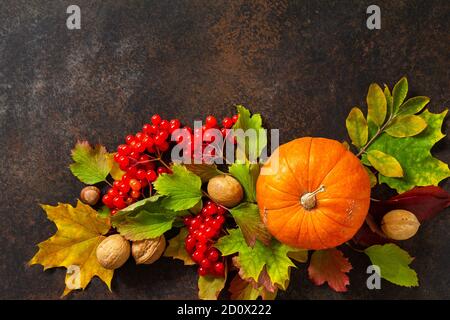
(225, 190)
(149, 250)
(90, 195)
(113, 252)
(400, 224)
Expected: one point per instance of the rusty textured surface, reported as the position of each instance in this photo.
(302, 64)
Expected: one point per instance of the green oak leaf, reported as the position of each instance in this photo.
(251, 261)
(377, 105)
(204, 171)
(182, 188)
(253, 147)
(148, 219)
(246, 174)
(399, 93)
(394, 264)
(248, 219)
(413, 153)
(357, 128)
(413, 105)
(385, 164)
(92, 165)
(176, 248)
(406, 126)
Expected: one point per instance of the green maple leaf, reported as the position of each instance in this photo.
(246, 174)
(251, 261)
(145, 219)
(253, 147)
(413, 153)
(92, 165)
(394, 264)
(182, 188)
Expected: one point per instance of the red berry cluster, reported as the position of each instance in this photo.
(202, 134)
(140, 158)
(204, 229)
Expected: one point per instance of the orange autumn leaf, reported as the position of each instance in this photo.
(80, 231)
(330, 266)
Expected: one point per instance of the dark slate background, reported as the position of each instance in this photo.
(302, 64)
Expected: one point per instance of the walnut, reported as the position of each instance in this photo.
(113, 252)
(225, 190)
(149, 250)
(90, 195)
(400, 224)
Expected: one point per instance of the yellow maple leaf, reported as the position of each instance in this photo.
(74, 245)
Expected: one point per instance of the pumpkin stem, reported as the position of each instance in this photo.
(308, 200)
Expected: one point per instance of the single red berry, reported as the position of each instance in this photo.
(212, 254)
(151, 149)
(208, 221)
(129, 201)
(211, 209)
(135, 185)
(164, 125)
(119, 203)
(135, 194)
(158, 140)
(235, 118)
(126, 178)
(227, 123)
(187, 221)
(202, 271)
(210, 232)
(123, 149)
(113, 212)
(147, 141)
(196, 222)
(224, 132)
(124, 187)
(131, 172)
(197, 256)
(117, 156)
(140, 174)
(205, 263)
(220, 219)
(123, 161)
(163, 146)
(107, 200)
(139, 136)
(147, 128)
(134, 155)
(202, 227)
(151, 175)
(156, 119)
(129, 138)
(221, 210)
(113, 192)
(174, 124)
(116, 184)
(219, 268)
(189, 244)
(162, 170)
(139, 147)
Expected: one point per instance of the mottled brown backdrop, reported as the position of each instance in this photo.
(302, 64)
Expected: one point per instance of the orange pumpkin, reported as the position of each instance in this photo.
(317, 197)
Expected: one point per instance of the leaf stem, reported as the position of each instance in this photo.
(376, 135)
(353, 248)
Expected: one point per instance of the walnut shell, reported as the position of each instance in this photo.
(113, 251)
(400, 224)
(149, 250)
(225, 190)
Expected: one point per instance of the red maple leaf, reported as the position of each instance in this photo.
(330, 266)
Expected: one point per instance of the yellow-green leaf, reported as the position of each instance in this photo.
(116, 173)
(372, 177)
(209, 287)
(413, 105)
(80, 231)
(385, 164)
(177, 250)
(389, 99)
(377, 106)
(92, 165)
(357, 127)
(406, 126)
(399, 93)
